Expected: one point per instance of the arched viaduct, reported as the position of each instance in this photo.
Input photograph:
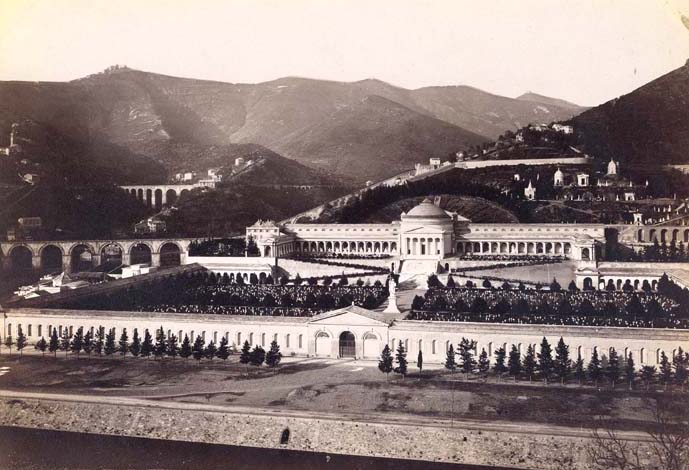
(157, 195)
(82, 255)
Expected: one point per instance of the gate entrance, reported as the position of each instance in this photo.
(347, 344)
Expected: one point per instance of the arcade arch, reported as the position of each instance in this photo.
(20, 259)
(111, 255)
(170, 255)
(81, 258)
(51, 259)
(140, 253)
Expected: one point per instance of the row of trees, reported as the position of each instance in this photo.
(544, 365)
(554, 286)
(672, 252)
(105, 343)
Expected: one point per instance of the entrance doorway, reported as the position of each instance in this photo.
(347, 344)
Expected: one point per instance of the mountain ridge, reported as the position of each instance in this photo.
(133, 108)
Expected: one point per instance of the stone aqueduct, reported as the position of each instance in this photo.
(82, 255)
(157, 195)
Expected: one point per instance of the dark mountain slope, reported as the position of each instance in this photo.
(650, 125)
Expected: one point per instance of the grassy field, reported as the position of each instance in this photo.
(353, 387)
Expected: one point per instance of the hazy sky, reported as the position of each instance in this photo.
(587, 51)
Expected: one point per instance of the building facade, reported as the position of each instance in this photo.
(353, 332)
(428, 232)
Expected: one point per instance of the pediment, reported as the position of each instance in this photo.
(349, 316)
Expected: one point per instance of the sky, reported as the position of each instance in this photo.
(585, 51)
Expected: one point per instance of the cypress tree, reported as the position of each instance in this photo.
(483, 363)
(198, 348)
(185, 350)
(54, 344)
(41, 345)
(594, 367)
(466, 355)
(499, 366)
(529, 364)
(9, 342)
(385, 361)
(450, 362)
(257, 356)
(545, 360)
(629, 372)
(514, 362)
(99, 344)
(647, 374)
(110, 347)
(579, 372)
(419, 361)
(65, 340)
(274, 356)
(161, 343)
(172, 348)
(401, 359)
(147, 345)
(77, 341)
(665, 369)
(223, 349)
(211, 350)
(679, 364)
(245, 355)
(124, 342)
(135, 346)
(563, 364)
(21, 340)
(88, 342)
(613, 370)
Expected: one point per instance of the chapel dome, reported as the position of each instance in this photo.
(427, 210)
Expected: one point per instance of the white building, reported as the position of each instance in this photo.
(583, 180)
(613, 167)
(429, 233)
(563, 128)
(353, 332)
(530, 192)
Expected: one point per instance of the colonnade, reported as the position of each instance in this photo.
(424, 246)
(347, 247)
(516, 248)
(662, 234)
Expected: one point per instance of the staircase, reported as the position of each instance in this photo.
(418, 266)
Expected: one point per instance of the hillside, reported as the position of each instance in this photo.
(548, 101)
(141, 112)
(487, 114)
(392, 137)
(476, 209)
(650, 125)
(59, 159)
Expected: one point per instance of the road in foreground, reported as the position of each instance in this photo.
(22, 448)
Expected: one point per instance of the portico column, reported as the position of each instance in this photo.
(163, 199)
(155, 259)
(36, 262)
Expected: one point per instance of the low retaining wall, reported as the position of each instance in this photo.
(510, 448)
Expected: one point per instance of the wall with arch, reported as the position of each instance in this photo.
(81, 255)
(306, 337)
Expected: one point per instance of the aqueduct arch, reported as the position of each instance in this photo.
(51, 258)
